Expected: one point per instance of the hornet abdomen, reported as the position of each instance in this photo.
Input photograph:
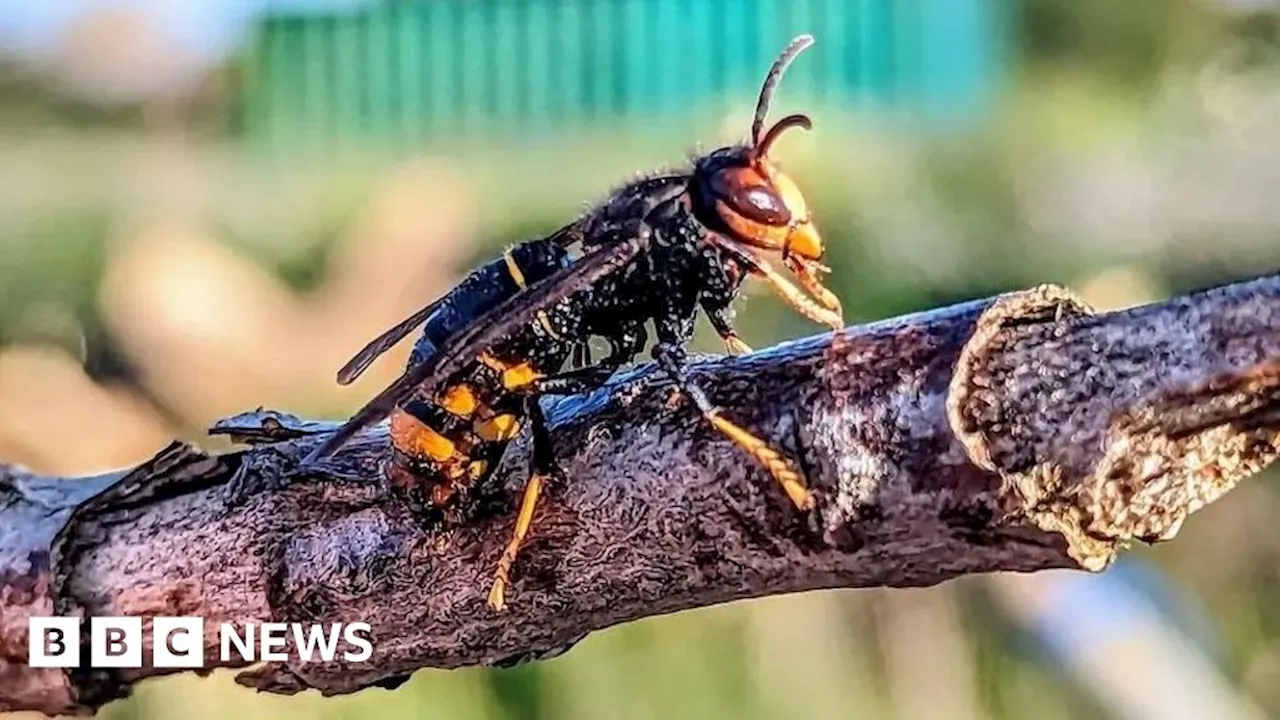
(449, 443)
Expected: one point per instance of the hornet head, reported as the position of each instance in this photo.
(742, 196)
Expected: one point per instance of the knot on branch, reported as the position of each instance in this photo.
(1133, 459)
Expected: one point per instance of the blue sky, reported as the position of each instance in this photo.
(206, 28)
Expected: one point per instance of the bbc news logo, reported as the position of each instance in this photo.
(179, 642)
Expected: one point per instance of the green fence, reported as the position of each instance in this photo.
(415, 71)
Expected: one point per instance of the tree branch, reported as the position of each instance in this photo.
(1018, 434)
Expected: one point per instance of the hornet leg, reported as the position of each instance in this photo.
(722, 321)
(825, 310)
(541, 471)
(671, 358)
(624, 346)
(581, 356)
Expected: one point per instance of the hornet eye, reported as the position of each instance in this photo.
(758, 203)
(765, 201)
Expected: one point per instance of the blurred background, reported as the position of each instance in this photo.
(208, 205)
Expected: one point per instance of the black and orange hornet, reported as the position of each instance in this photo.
(517, 328)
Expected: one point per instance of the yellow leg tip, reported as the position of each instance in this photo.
(803, 499)
(532, 490)
(497, 596)
(795, 488)
(773, 461)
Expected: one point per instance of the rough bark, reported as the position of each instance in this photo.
(1016, 434)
